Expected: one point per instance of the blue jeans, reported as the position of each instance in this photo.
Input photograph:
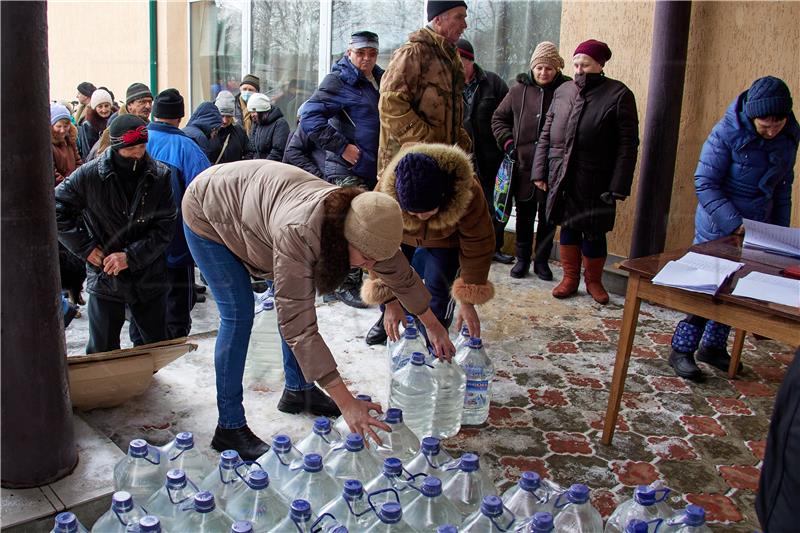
(229, 283)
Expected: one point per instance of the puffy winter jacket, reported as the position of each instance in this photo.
(205, 119)
(742, 175)
(268, 141)
(236, 143)
(478, 123)
(301, 152)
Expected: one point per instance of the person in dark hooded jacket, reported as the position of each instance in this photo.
(301, 151)
(232, 143)
(203, 126)
(270, 130)
(97, 118)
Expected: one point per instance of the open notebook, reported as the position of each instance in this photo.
(772, 238)
(697, 272)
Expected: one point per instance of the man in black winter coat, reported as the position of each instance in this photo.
(118, 213)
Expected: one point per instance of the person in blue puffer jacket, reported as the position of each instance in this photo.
(203, 126)
(746, 170)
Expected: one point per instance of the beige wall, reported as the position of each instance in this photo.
(173, 50)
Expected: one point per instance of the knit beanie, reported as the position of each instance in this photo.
(768, 96)
(136, 91)
(100, 96)
(255, 81)
(126, 131)
(86, 89)
(437, 7)
(374, 225)
(546, 53)
(597, 50)
(465, 49)
(259, 102)
(58, 112)
(420, 183)
(168, 104)
(226, 103)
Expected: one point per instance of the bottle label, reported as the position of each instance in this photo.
(477, 394)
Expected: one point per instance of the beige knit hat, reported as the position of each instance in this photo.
(374, 225)
(547, 53)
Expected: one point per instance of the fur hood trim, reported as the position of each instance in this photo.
(334, 259)
(451, 159)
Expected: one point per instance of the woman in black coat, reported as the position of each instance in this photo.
(270, 130)
(585, 160)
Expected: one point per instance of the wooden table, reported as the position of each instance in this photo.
(778, 322)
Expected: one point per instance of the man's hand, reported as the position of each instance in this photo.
(391, 319)
(96, 257)
(468, 314)
(541, 185)
(437, 336)
(115, 263)
(351, 154)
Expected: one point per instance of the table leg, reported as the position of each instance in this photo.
(630, 317)
(736, 354)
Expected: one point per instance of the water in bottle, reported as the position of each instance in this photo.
(311, 483)
(149, 524)
(341, 426)
(576, 514)
(124, 512)
(410, 343)
(479, 373)
(168, 502)
(224, 481)
(279, 459)
(431, 508)
(264, 364)
(203, 516)
(648, 504)
(257, 502)
(468, 485)
(351, 460)
(352, 510)
(490, 518)
(139, 473)
(431, 460)
(400, 442)
(541, 522)
(531, 495)
(390, 520)
(320, 440)
(298, 520)
(390, 483)
(413, 390)
(181, 454)
(68, 523)
(691, 520)
(451, 383)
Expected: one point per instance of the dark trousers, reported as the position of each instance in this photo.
(181, 298)
(106, 318)
(440, 267)
(528, 212)
(593, 245)
(499, 227)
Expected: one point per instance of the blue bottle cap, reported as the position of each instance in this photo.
(352, 489)
(281, 443)
(354, 442)
(122, 501)
(578, 493)
(529, 481)
(431, 486)
(430, 446)
(137, 448)
(66, 523)
(393, 416)
(492, 506)
(300, 510)
(410, 333)
(312, 462)
(204, 502)
(447, 528)
(242, 526)
(636, 526)
(268, 305)
(229, 459)
(391, 513)
(464, 331)
(417, 359)
(184, 440)
(364, 397)
(338, 529)
(475, 342)
(468, 462)
(322, 426)
(644, 495)
(392, 466)
(258, 479)
(176, 478)
(149, 524)
(541, 523)
(695, 515)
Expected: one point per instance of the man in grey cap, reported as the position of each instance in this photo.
(139, 101)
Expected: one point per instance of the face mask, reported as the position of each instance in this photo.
(245, 95)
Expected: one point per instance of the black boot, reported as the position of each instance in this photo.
(521, 268)
(244, 441)
(350, 291)
(500, 257)
(312, 401)
(684, 366)
(716, 357)
(377, 333)
(542, 270)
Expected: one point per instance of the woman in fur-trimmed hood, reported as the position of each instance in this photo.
(444, 211)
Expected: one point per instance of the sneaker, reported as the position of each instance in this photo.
(716, 357)
(684, 366)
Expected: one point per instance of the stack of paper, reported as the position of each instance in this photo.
(772, 238)
(769, 289)
(696, 272)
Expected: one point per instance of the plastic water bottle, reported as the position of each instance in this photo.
(691, 520)
(204, 516)
(531, 495)
(341, 426)
(410, 343)
(400, 442)
(431, 508)
(279, 459)
(390, 520)
(123, 513)
(389, 483)
(648, 504)
(448, 412)
(576, 514)
(168, 502)
(68, 523)
(413, 390)
(242, 526)
(311, 483)
(257, 502)
(468, 485)
(541, 522)
(352, 510)
(320, 440)
(181, 454)
(490, 518)
(139, 473)
(149, 524)
(479, 371)
(461, 337)
(636, 526)
(350, 460)
(298, 519)
(224, 481)
(264, 364)
(431, 460)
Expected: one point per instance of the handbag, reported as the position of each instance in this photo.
(502, 190)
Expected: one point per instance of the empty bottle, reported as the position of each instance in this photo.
(410, 343)
(203, 516)
(448, 412)
(391, 478)
(181, 453)
(298, 520)
(341, 426)
(311, 483)
(479, 372)
(320, 440)
(124, 512)
(264, 364)
(257, 502)
(431, 508)
(531, 495)
(637, 526)
(139, 473)
(352, 510)
(224, 481)
(691, 520)
(400, 442)
(168, 502)
(413, 390)
(149, 524)
(490, 518)
(431, 460)
(68, 523)
(541, 522)
(390, 520)
(647, 505)
(279, 459)
(351, 460)
(576, 514)
(468, 485)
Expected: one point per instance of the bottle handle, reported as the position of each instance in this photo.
(156, 451)
(280, 459)
(509, 526)
(381, 491)
(173, 502)
(244, 478)
(317, 526)
(558, 505)
(367, 509)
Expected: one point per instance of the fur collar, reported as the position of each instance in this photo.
(96, 121)
(70, 138)
(334, 258)
(450, 158)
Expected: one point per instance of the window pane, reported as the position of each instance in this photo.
(216, 48)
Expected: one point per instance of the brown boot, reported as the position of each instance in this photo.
(593, 276)
(571, 262)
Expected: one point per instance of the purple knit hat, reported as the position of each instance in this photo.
(420, 183)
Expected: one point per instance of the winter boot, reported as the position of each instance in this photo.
(377, 333)
(571, 262)
(523, 264)
(312, 401)
(684, 343)
(593, 277)
(350, 291)
(242, 439)
(713, 347)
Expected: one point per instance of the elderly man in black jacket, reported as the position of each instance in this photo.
(118, 213)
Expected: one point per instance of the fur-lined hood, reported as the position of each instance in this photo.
(70, 138)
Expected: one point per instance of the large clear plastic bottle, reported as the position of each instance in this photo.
(68, 523)
(400, 442)
(167, 502)
(351, 460)
(431, 460)
(224, 482)
(341, 426)
(257, 502)
(124, 512)
(637, 526)
(391, 482)
(648, 504)
(431, 508)
(352, 509)
(297, 521)
(410, 343)
(391, 345)
(264, 364)
(279, 459)
(149, 524)
(468, 485)
(490, 518)
(461, 337)
(576, 513)
(413, 390)
(311, 483)
(181, 453)
(139, 473)
(691, 520)
(390, 520)
(541, 522)
(479, 371)
(451, 383)
(321, 438)
(204, 516)
(531, 495)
